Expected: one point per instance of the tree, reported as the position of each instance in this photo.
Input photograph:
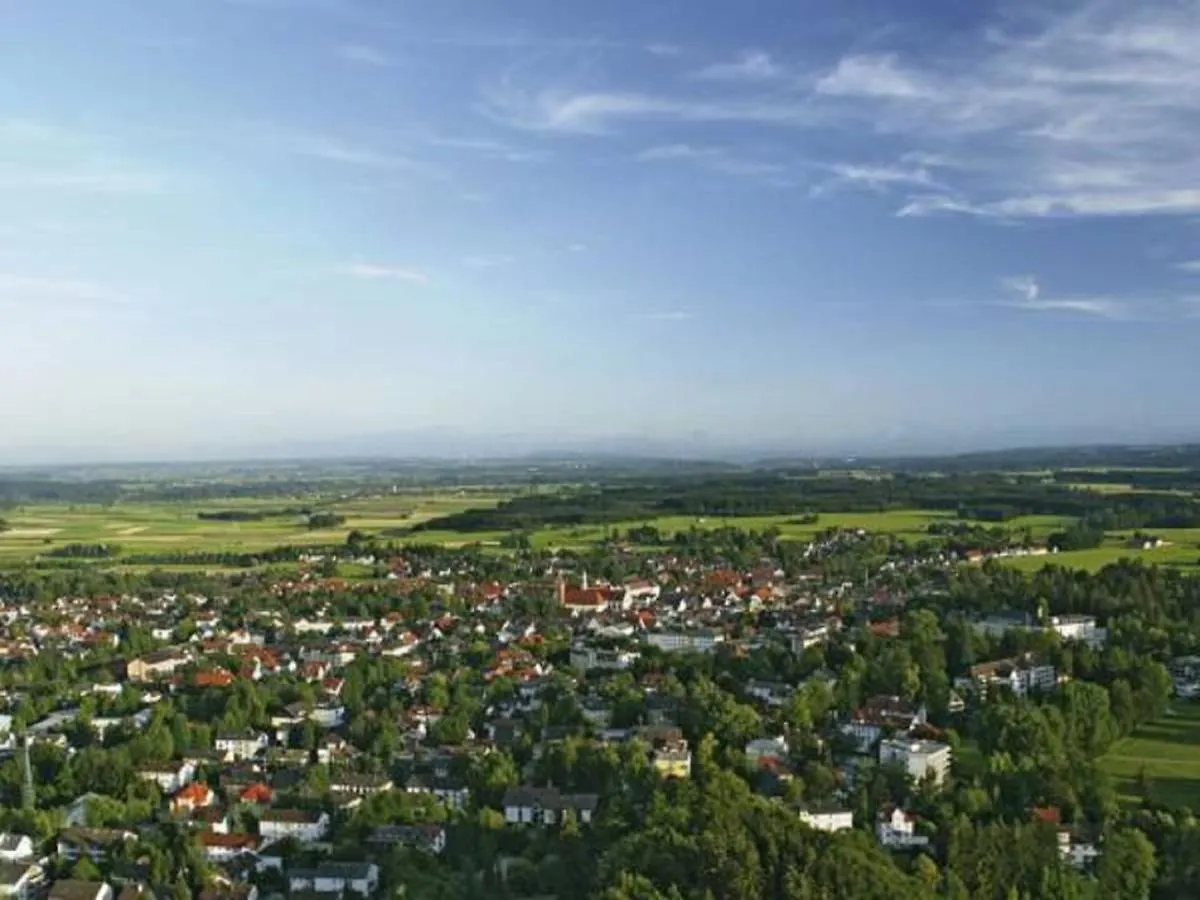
(1127, 865)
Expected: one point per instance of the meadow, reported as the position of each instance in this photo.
(1168, 751)
(1182, 550)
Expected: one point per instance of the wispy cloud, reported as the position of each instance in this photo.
(84, 182)
(1088, 111)
(1191, 265)
(875, 177)
(717, 159)
(1026, 294)
(752, 65)
(365, 271)
(364, 55)
(336, 150)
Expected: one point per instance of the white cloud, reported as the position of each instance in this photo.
(1191, 265)
(84, 182)
(1027, 295)
(874, 77)
(876, 177)
(374, 272)
(364, 55)
(718, 159)
(753, 65)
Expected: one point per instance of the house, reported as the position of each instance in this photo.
(359, 785)
(336, 878)
(195, 796)
(829, 820)
(452, 793)
(430, 838)
(672, 759)
(1079, 853)
(1021, 676)
(220, 847)
(21, 880)
(546, 806)
(1079, 628)
(896, 830)
(772, 693)
(77, 812)
(762, 752)
(921, 759)
(16, 847)
(157, 666)
(69, 889)
(305, 827)
(697, 641)
(170, 777)
(256, 794)
(880, 715)
(239, 745)
(94, 843)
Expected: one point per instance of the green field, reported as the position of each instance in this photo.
(140, 528)
(1168, 751)
(1182, 551)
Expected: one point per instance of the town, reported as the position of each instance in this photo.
(535, 723)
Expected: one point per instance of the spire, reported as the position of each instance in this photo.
(585, 585)
(28, 796)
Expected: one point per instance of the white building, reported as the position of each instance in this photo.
(868, 723)
(242, 744)
(702, 641)
(921, 759)
(171, 777)
(828, 820)
(1021, 676)
(585, 658)
(897, 830)
(305, 827)
(336, 878)
(1079, 628)
(546, 806)
(1080, 854)
(16, 847)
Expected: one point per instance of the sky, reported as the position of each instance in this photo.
(231, 227)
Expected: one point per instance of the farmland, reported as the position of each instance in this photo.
(160, 527)
(1167, 751)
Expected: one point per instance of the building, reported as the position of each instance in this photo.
(829, 820)
(585, 658)
(921, 759)
(241, 745)
(672, 759)
(1079, 628)
(767, 752)
(896, 830)
(430, 838)
(303, 826)
(698, 641)
(94, 843)
(546, 806)
(21, 880)
(1021, 676)
(223, 847)
(170, 777)
(881, 714)
(336, 878)
(1081, 854)
(196, 795)
(16, 847)
(157, 666)
(359, 785)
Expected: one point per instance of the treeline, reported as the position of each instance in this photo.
(253, 515)
(85, 551)
(981, 497)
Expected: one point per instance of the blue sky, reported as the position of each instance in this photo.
(229, 225)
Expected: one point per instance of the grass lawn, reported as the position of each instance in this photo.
(1169, 752)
